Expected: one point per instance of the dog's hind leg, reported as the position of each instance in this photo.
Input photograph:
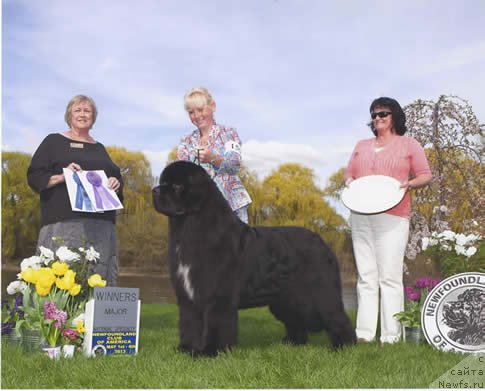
(339, 328)
(296, 334)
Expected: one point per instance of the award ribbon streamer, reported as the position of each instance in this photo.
(101, 194)
(81, 195)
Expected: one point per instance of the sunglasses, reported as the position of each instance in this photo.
(380, 114)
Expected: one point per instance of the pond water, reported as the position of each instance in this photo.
(156, 288)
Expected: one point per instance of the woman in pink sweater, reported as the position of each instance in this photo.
(379, 240)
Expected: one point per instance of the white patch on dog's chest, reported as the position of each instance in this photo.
(183, 272)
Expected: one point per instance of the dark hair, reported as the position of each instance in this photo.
(398, 116)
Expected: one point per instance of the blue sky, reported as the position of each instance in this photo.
(295, 77)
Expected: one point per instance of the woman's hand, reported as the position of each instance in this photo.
(59, 178)
(348, 181)
(74, 167)
(113, 183)
(415, 183)
(207, 156)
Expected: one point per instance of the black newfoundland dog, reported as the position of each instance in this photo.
(218, 264)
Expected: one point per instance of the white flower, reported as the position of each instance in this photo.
(46, 255)
(79, 318)
(66, 255)
(424, 243)
(460, 250)
(447, 235)
(443, 209)
(470, 251)
(16, 287)
(33, 262)
(81, 249)
(92, 255)
(433, 242)
(472, 237)
(446, 247)
(461, 240)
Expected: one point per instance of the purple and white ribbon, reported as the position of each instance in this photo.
(101, 195)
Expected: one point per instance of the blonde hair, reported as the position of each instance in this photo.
(76, 100)
(197, 97)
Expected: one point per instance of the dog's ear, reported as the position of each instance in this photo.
(197, 190)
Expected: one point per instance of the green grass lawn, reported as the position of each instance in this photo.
(259, 361)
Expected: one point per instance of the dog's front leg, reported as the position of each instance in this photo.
(190, 327)
(219, 327)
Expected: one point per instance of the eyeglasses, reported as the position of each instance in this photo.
(380, 114)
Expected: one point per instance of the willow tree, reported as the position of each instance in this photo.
(450, 131)
(291, 197)
(142, 232)
(20, 207)
(137, 178)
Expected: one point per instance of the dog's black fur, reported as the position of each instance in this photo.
(230, 265)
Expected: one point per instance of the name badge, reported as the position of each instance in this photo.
(77, 145)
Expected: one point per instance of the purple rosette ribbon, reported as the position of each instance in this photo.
(81, 195)
(101, 194)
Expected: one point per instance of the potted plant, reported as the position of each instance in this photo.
(410, 318)
(54, 292)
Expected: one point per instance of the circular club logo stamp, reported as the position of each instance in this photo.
(453, 315)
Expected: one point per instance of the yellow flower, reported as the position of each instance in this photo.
(80, 327)
(41, 290)
(28, 275)
(45, 277)
(74, 291)
(67, 282)
(96, 280)
(60, 268)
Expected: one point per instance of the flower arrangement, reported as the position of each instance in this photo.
(54, 288)
(415, 297)
(455, 252)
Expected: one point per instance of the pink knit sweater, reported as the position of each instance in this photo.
(402, 158)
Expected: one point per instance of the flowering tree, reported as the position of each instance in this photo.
(453, 137)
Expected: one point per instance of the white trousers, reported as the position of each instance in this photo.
(379, 243)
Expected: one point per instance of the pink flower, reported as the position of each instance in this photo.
(51, 312)
(411, 294)
(70, 334)
(423, 282)
(61, 318)
(49, 309)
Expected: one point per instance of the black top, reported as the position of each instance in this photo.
(56, 152)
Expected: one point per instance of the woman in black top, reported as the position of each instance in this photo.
(77, 150)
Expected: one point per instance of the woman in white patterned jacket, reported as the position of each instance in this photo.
(216, 148)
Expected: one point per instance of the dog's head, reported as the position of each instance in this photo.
(183, 189)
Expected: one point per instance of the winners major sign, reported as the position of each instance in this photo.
(112, 322)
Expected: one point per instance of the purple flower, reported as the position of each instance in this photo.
(18, 303)
(411, 294)
(49, 310)
(7, 327)
(423, 282)
(433, 283)
(61, 318)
